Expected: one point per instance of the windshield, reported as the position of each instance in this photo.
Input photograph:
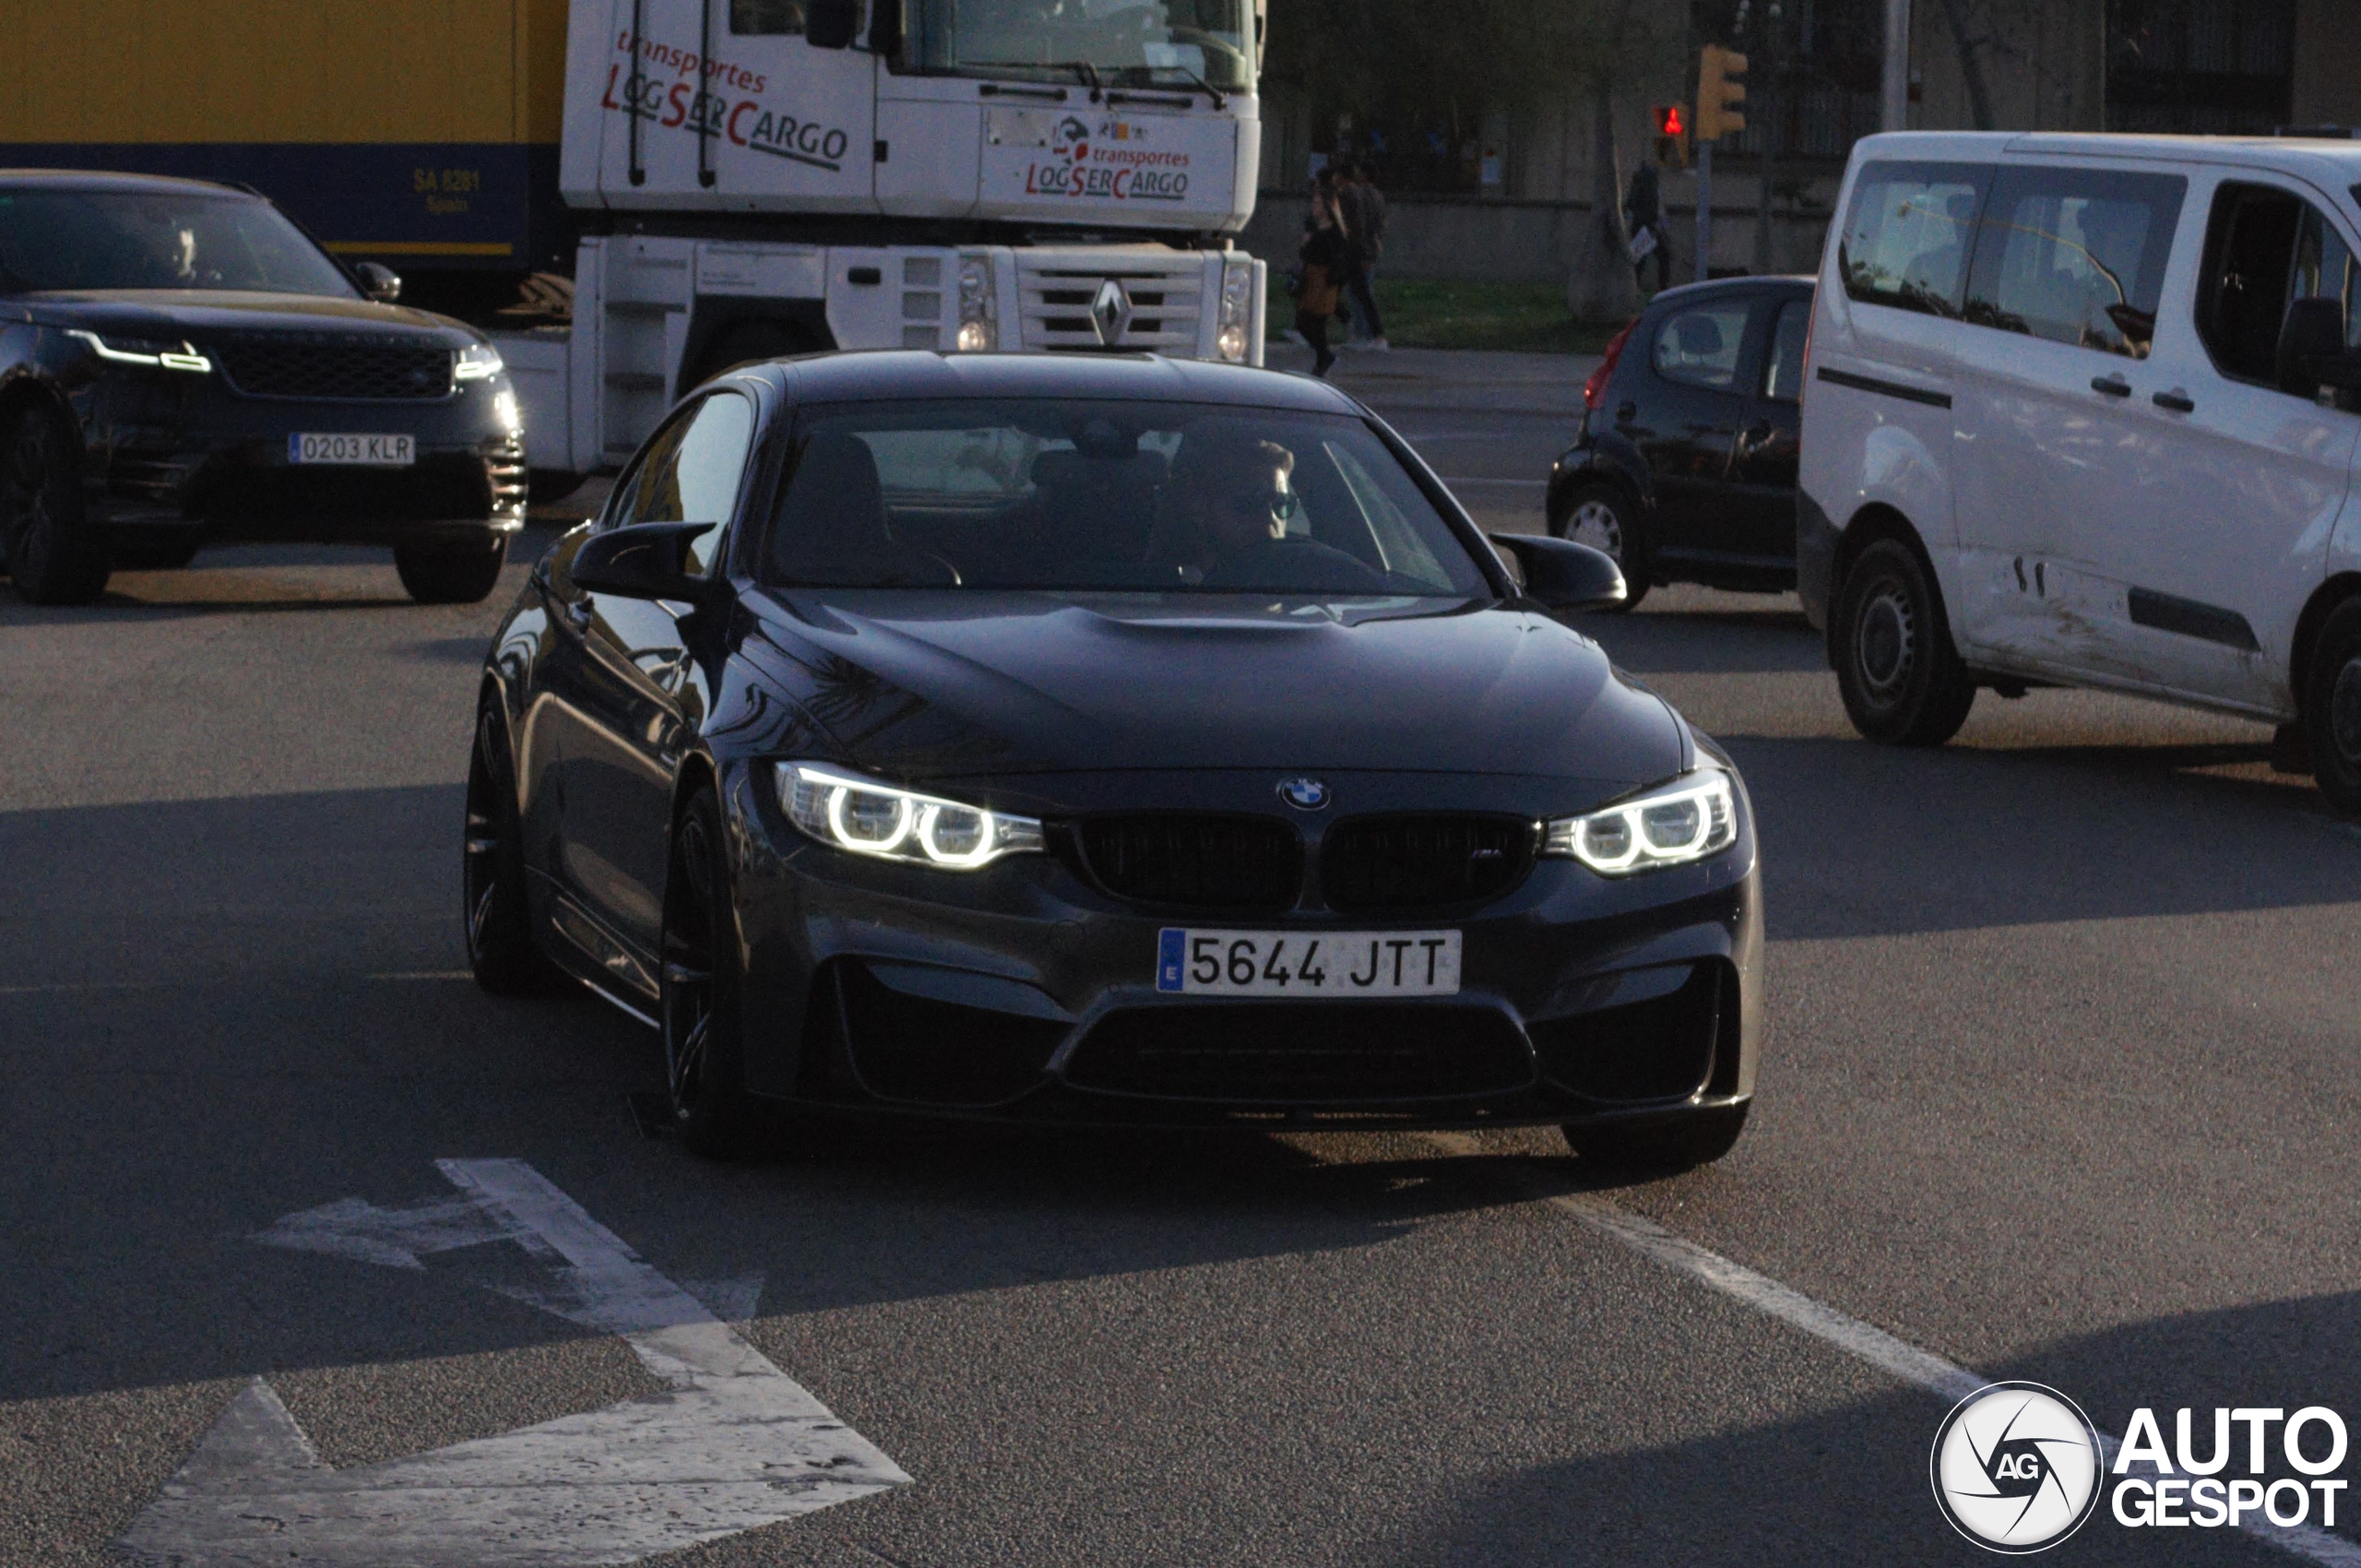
(1124, 496)
(1130, 43)
(147, 240)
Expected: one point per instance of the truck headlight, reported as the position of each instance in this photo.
(1234, 327)
(477, 361)
(978, 331)
(846, 812)
(1693, 816)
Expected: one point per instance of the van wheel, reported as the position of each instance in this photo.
(1600, 517)
(2332, 708)
(1899, 675)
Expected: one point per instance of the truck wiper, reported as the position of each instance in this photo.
(1082, 68)
(1221, 99)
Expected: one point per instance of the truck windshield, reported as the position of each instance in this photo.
(53, 239)
(1127, 43)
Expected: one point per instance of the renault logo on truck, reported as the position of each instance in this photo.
(1111, 312)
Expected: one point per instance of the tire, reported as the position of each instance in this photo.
(495, 915)
(1896, 666)
(1665, 1148)
(701, 1005)
(51, 559)
(1603, 518)
(747, 342)
(2331, 699)
(163, 553)
(451, 574)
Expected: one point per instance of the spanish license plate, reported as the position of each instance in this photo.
(354, 451)
(1321, 964)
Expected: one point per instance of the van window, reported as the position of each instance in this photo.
(2076, 256)
(1906, 243)
(2263, 247)
(2325, 267)
(1699, 346)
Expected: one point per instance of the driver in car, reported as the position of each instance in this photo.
(1234, 488)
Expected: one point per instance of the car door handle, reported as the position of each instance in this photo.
(2113, 385)
(2177, 400)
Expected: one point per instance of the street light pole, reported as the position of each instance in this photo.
(1894, 98)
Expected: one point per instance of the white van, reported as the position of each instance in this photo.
(2082, 410)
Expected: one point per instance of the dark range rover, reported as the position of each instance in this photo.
(181, 365)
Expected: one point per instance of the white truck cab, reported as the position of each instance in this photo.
(759, 177)
(2084, 410)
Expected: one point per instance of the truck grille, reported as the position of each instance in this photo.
(1164, 300)
(1409, 862)
(1196, 860)
(333, 364)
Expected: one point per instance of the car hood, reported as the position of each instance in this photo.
(917, 685)
(160, 313)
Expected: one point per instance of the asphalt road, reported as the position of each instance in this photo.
(2057, 1085)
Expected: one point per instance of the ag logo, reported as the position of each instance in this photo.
(2016, 1467)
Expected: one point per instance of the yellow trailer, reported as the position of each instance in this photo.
(421, 133)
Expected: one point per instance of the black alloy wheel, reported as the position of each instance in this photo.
(703, 1055)
(2331, 701)
(451, 574)
(51, 559)
(1697, 1138)
(1603, 518)
(1896, 667)
(505, 959)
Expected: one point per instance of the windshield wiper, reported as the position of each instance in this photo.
(1221, 99)
(1082, 68)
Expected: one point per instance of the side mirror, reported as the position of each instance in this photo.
(831, 24)
(1563, 575)
(645, 561)
(381, 285)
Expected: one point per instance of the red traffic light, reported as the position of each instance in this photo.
(1669, 122)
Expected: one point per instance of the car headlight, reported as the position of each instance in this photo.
(1693, 816)
(142, 350)
(477, 361)
(846, 812)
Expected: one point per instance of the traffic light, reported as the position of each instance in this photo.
(1672, 134)
(1716, 91)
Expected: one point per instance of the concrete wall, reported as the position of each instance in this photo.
(2327, 89)
(1537, 242)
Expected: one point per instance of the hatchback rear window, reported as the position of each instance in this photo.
(1700, 345)
(1906, 243)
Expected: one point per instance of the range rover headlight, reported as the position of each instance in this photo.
(1689, 819)
(846, 812)
(477, 361)
(142, 350)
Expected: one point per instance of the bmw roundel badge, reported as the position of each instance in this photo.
(1303, 794)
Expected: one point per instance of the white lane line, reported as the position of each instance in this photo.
(733, 1444)
(1864, 1342)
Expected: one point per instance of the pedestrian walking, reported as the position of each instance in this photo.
(1644, 214)
(1323, 264)
(1362, 205)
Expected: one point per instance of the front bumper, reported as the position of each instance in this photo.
(180, 455)
(1025, 994)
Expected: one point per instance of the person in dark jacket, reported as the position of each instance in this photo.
(1363, 206)
(1325, 256)
(1643, 212)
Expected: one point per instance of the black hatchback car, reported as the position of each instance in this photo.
(1109, 741)
(181, 364)
(1684, 467)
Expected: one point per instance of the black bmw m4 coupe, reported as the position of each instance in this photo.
(1105, 741)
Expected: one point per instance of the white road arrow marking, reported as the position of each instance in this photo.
(734, 1444)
